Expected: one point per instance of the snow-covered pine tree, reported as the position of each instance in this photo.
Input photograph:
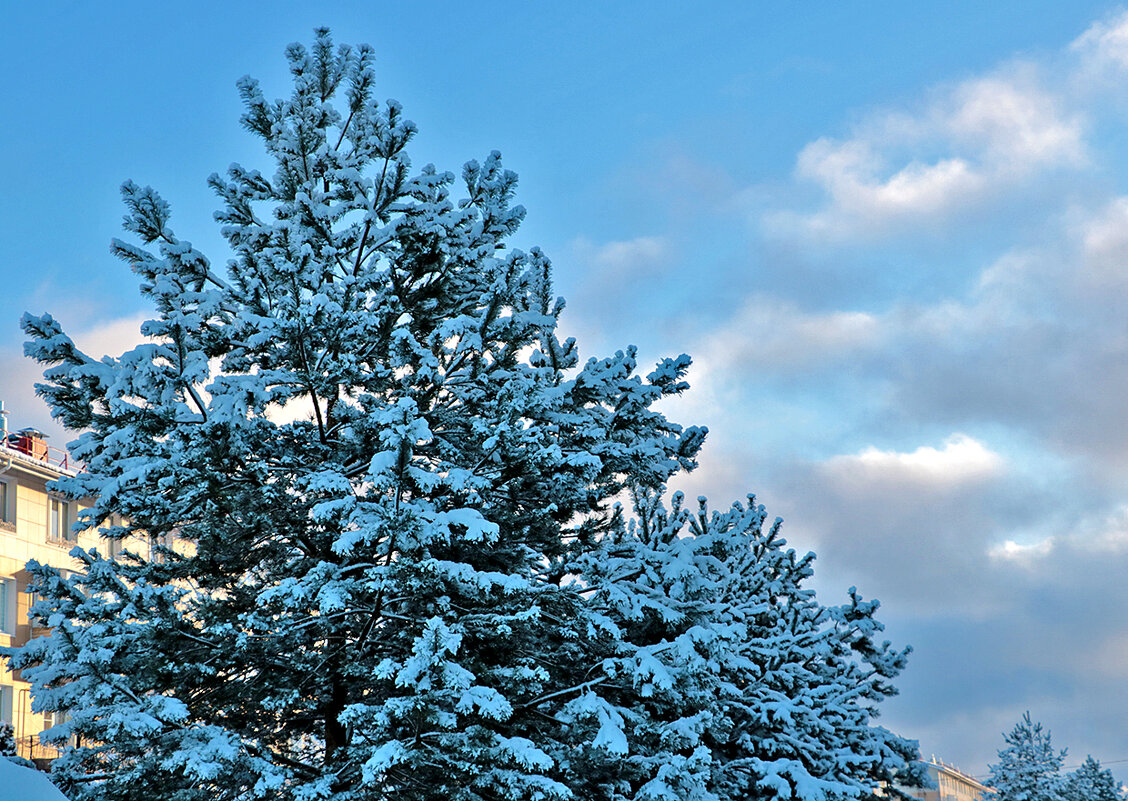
(1028, 768)
(398, 595)
(8, 746)
(1090, 782)
(734, 681)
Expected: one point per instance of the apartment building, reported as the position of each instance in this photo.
(35, 523)
(950, 784)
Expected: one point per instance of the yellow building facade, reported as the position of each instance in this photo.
(950, 784)
(35, 523)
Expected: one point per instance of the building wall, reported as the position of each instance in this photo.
(951, 784)
(25, 536)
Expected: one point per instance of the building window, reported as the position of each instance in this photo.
(56, 718)
(115, 544)
(59, 521)
(8, 504)
(7, 606)
(6, 704)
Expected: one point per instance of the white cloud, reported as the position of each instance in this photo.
(961, 460)
(1104, 45)
(1013, 122)
(1010, 327)
(1103, 241)
(627, 257)
(1024, 554)
(849, 173)
(1098, 537)
(1111, 537)
(1105, 535)
(18, 392)
(772, 333)
(967, 145)
(113, 336)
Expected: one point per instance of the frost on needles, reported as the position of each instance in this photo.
(419, 551)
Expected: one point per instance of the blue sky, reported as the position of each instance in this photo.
(894, 237)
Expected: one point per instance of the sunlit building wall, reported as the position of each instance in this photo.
(35, 523)
(950, 784)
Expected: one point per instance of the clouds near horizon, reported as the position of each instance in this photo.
(958, 445)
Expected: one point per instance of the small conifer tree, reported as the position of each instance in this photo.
(1090, 782)
(422, 587)
(8, 740)
(1028, 768)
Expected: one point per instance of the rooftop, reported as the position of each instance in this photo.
(29, 447)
